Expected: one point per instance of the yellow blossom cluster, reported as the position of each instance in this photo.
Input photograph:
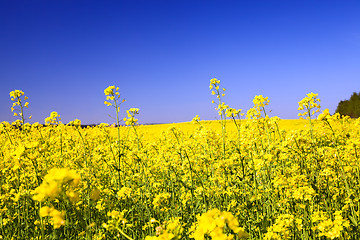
(54, 118)
(233, 113)
(112, 95)
(324, 115)
(116, 218)
(196, 119)
(131, 120)
(213, 223)
(54, 183)
(57, 217)
(75, 122)
(124, 193)
(170, 230)
(329, 228)
(282, 227)
(310, 104)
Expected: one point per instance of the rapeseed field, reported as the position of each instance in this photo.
(245, 176)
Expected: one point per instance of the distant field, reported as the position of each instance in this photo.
(156, 129)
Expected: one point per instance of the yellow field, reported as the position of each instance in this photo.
(258, 178)
(156, 130)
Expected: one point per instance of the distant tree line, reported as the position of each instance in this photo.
(350, 107)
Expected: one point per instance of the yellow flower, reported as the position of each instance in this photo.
(282, 228)
(196, 119)
(308, 103)
(53, 183)
(213, 222)
(53, 119)
(75, 122)
(124, 193)
(328, 228)
(131, 120)
(324, 114)
(109, 90)
(57, 217)
(45, 211)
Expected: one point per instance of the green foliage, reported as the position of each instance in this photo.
(350, 107)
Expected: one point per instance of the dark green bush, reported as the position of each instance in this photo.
(350, 107)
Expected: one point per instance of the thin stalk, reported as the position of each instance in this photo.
(311, 126)
(124, 234)
(119, 144)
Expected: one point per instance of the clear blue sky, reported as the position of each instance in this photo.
(162, 55)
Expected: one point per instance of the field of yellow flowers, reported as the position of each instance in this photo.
(245, 176)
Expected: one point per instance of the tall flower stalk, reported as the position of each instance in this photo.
(132, 121)
(311, 105)
(113, 99)
(19, 103)
(221, 108)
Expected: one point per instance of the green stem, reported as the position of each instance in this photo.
(124, 234)
(119, 145)
(311, 126)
